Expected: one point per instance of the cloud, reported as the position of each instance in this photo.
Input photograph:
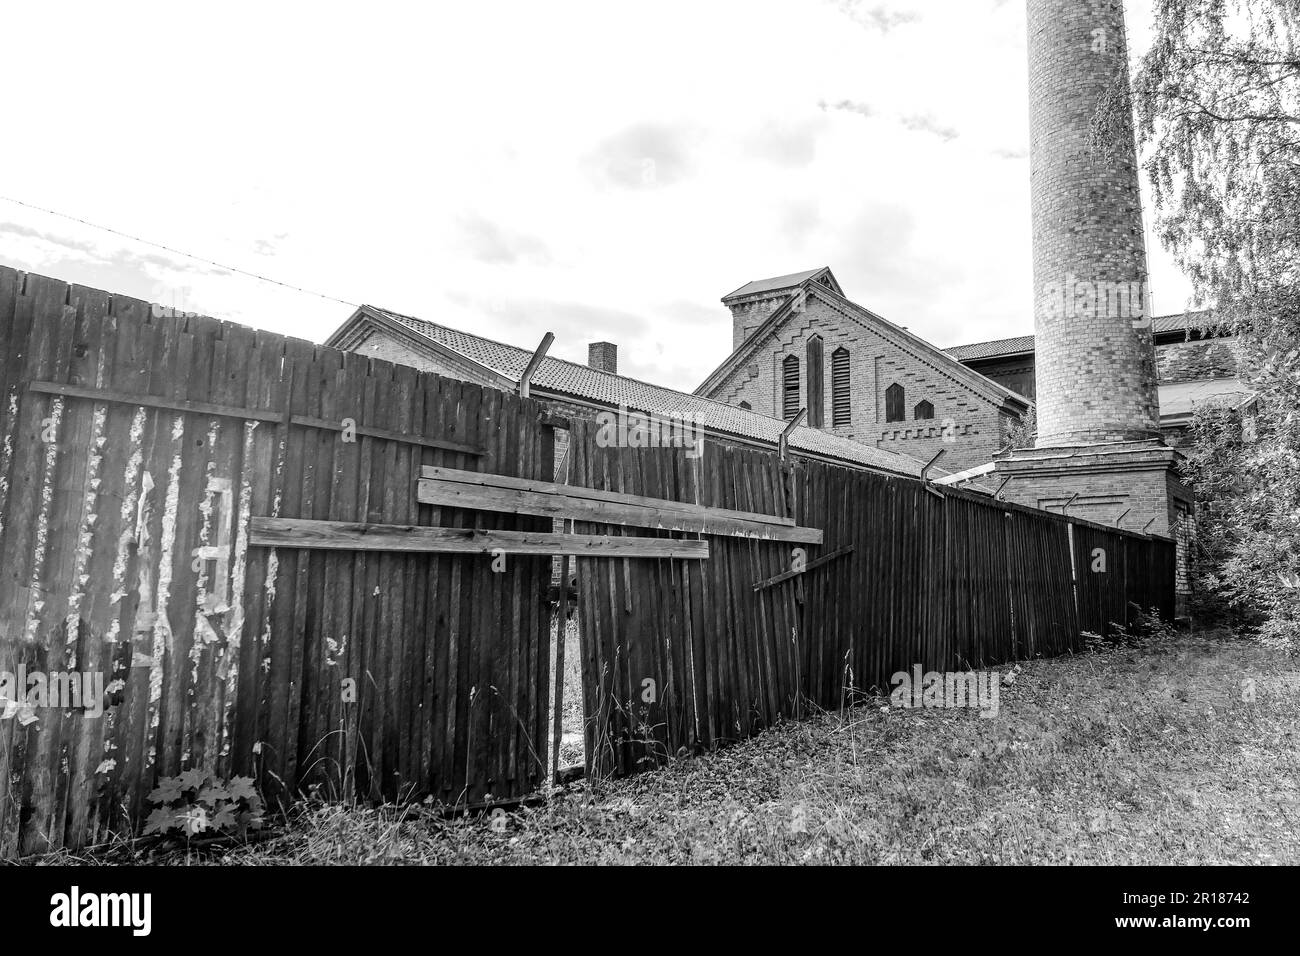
(790, 144)
(488, 242)
(878, 17)
(800, 219)
(269, 247)
(27, 232)
(644, 156)
(1008, 152)
(920, 123)
(849, 106)
(693, 314)
(520, 321)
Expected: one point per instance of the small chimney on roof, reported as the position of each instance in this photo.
(603, 356)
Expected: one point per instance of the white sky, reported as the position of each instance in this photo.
(604, 170)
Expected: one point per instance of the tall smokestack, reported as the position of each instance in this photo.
(1095, 359)
(1099, 453)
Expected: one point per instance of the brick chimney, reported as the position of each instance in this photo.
(1095, 367)
(1099, 453)
(603, 356)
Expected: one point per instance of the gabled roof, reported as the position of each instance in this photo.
(1024, 344)
(937, 358)
(558, 378)
(780, 283)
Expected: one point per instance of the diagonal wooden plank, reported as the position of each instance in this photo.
(814, 563)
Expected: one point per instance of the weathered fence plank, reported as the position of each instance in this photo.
(134, 451)
(946, 580)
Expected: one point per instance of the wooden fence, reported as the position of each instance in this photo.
(136, 452)
(282, 561)
(689, 655)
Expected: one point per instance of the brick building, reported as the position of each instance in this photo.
(798, 342)
(584, 391)
(1196, 363)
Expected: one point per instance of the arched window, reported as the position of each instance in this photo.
(894, 411)
(923, 410)
(746, 406)
(789, 387)
(840, 407)
(816, 374)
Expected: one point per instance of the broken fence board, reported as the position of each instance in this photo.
(306, 533)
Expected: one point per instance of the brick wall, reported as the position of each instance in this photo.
(965, 423)
(1198, 359)
(750, 312)
(1185, 361)
(1151, 494)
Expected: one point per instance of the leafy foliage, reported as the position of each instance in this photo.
(193, 804)
(1217, 97)
(1024, 432)
(1247, 525)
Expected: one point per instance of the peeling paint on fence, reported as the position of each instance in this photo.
(109, 508)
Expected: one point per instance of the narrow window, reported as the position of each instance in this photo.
(923, 410)
(840, 414)
(894, 403)
(816, 376)
(789, 387)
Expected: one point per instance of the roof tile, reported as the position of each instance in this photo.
(606, 388)
(1025, 343)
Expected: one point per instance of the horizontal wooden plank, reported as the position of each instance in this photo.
(372, 432)
(249, 414)
(154, 401)
(455, 494)
(577, 491)
(814, 563)
(551, 420)
(268, 532)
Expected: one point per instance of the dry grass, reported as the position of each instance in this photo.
(571, 743)
(1128, 756)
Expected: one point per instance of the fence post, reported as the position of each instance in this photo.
(783, 443)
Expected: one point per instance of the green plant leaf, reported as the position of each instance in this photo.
(194, 820)
(167, 791)
(227, 818)
(241, 788)
(193, 779)
(160, 821)
(213, 795)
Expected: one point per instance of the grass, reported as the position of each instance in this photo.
(1128, 755)
(572, 745)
